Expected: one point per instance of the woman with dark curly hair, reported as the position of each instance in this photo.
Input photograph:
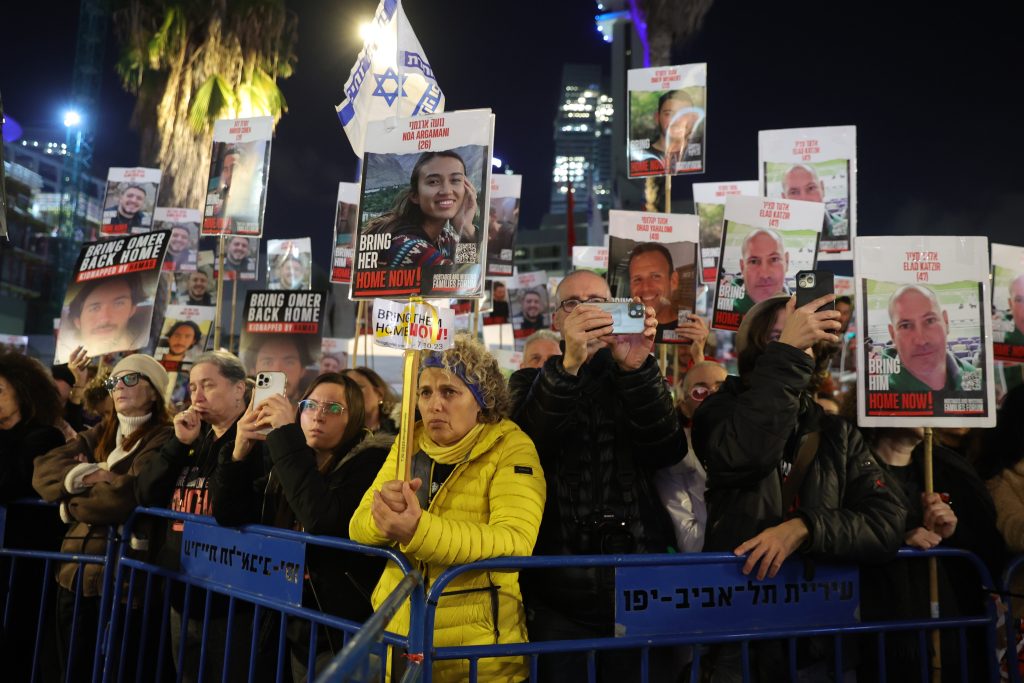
(29, 410)
(476, 491)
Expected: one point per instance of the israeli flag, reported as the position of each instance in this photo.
(391, 77)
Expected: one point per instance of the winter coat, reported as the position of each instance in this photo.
(96, 508)
(748, 434)
(295, 492)
(601, 436)
(19, 447)
(489, 506)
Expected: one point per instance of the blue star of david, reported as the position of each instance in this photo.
(389, 94)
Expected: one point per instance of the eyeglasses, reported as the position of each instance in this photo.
(569, 305)
(700, 392)
(129, 379)
(316, 407)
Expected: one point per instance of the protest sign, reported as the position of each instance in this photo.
(345, 217)
(409, 325)
(502, 223)
(183, 245)
(508, 361)
(183, 336)
(422, 206)
(16, 342)
(529, 305)
(764, 244)
(289, 263)
(667, 120)
(241, 258)
(709, 203)
(590, 258)
(926, 330)
(815, 165)
(130, 199)
(334, 354)
(1008, 302)
(281, 332)
(239, 169)
(654, 256)
(108, 306)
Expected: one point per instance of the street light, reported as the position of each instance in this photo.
(72, 118)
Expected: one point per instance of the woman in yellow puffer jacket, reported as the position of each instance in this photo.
(476, 491)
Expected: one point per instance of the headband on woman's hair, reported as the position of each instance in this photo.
(459, 369)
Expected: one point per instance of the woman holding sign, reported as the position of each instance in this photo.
(432, 215)
(321, 459)
(477, 491)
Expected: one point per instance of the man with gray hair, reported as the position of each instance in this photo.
(763, 265)
(540, 346)
(918, 328)
(1016, 335)
(801, 182)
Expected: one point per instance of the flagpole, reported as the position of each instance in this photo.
(234, 301)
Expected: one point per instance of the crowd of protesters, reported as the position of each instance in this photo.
(582, 451)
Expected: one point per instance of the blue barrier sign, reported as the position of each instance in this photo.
(715, 597)
(271, 567)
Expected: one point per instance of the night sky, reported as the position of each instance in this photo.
(930, 90)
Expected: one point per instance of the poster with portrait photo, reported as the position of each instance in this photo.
(345, 217)
(497, 294)
(288, 263)
(815, 165)
(654, 256)
(334, 354)
(502, 223)
(15, 342)
(667, 120)
(709, 203)
(236, 194)
(108, 306)
(508, 360)
(196, 288)
(130, 200)
(764, 244)
(183, 246)
(281, 332)
(590, 258)
(183, 336)
(423, 206)
(1008, 303)
(241, 257)
(926, 356)
(529, 305)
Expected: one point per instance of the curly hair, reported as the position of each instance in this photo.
(470, 359)
(34, 388)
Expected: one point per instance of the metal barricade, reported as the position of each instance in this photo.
(741, 635)
(39, 566)
(141, 602)
(1011, 625)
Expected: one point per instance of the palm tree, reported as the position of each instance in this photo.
(191, 62)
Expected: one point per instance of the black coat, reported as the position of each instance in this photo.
(19, 447)
(588, 429)
(747, 432)
(279, 485)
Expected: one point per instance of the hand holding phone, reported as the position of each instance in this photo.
(627, 316)
(267, 384)
(814, 284)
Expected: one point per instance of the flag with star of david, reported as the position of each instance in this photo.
(391, 77)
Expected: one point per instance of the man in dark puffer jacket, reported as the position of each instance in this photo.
(603, 422)
(748, 435)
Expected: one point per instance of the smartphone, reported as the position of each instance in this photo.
(813, 284)
(683, 316)
(627, 316)
(268, 384)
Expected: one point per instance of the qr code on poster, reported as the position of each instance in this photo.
(465, 253)
(971, 380)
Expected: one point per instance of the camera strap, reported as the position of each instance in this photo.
(791, 486)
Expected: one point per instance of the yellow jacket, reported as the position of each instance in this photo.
(490, 506)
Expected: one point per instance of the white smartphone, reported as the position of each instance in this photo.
(268, 384)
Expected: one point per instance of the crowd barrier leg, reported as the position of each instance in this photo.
(44, 594)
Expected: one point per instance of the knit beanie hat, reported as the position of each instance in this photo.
(147, 367)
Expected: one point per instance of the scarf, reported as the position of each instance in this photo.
(454, 454)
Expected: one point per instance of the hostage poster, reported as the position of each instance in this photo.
(183, 336)
(667, 120)
(344, 229)
(108, 306)
(130, 200)
(709, 203)
(590, 258)
(289, 263)
(422, 228)
(183, 245)
(815, 165)
(529, 305)
(764, 244)
(239, 169)
(241, 257)
(281, 332)
(926, 355)
(502, 223)
(1008, 303)
(654, 256)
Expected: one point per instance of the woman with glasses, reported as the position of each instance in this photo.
(321, 459)
(476, 491)
(93, 478)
